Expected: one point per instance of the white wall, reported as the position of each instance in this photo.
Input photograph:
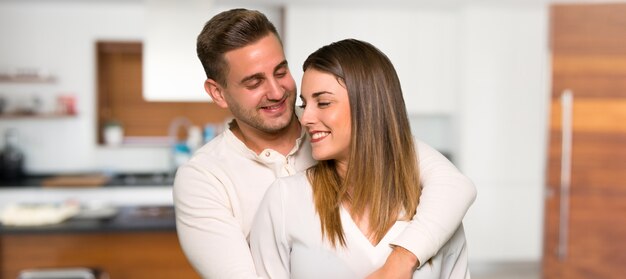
(503, 128)
(420, 43)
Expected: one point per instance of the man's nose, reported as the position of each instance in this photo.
(275, 91)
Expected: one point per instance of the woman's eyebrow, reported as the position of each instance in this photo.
(316, 94)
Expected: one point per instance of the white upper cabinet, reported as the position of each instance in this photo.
(422, 45)
(171, 69)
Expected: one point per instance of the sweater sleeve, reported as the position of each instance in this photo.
(446, 196)
(210, 236)
(268, 244)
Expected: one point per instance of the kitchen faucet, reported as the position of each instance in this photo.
(181, 150)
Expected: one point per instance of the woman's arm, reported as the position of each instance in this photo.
(446, 196)
(268, 244)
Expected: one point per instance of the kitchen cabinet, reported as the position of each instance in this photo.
(123, 255)
(585, 225)
(172, 70)
(420, 43)
(137, 242)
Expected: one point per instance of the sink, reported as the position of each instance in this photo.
(148, 212)
(154, 217)
(141, 179)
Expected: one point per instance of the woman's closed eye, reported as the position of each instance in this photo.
(323, 104)
(320, 104)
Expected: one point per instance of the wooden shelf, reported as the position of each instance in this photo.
(26, 79)
(9, 116)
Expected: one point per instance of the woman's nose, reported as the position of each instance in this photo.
(307, 117)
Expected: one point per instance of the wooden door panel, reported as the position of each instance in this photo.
(599, 163)
(584, 66)
(590, 86)
(595, 241)
(595, 237)
(588, 29)
(588, 43)
(607, 115)
(598, 146)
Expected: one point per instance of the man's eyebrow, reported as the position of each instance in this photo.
(252, 77)
(281, 65)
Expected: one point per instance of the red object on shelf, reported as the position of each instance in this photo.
(67, 104)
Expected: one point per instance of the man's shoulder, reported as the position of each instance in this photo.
(216, 150)
(212, 156)
(213, 166)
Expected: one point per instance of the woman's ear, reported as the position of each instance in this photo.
(216, 92)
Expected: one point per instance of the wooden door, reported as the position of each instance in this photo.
(585, 212)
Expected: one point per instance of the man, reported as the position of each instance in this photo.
(218, 191)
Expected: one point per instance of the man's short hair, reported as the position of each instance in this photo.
(229, 30)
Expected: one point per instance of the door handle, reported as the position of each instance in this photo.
(567, 102)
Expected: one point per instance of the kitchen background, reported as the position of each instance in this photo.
(476, 78)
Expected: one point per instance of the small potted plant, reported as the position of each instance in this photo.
(113, 132)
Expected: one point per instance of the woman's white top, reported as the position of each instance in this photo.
(286, 241)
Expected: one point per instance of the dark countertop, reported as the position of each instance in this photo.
(120, 179)
(141, 218)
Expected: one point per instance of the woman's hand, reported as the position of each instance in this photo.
(400, 264)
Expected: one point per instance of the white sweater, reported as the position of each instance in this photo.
(217, 193)
(286, 241)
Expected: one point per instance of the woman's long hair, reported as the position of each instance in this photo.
(382, 177)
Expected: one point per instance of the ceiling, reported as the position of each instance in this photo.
(362, 2)
(457, 3)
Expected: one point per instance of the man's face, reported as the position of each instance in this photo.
(260, 90)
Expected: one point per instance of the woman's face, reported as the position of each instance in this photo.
(326, 116)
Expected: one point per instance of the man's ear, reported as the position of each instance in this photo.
(216, 92)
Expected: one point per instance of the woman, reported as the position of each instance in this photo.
(337, 219)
